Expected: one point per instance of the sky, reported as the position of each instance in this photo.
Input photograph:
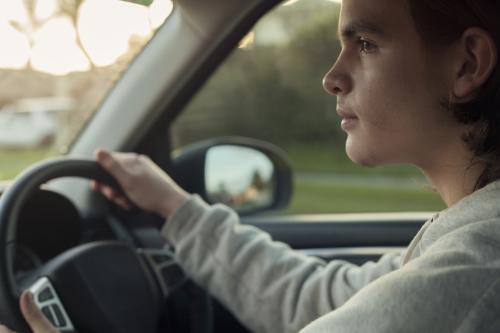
(104, 27)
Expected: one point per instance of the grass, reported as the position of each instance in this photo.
(331, 159)
(318, 198)
(14, 161)
(404, 188)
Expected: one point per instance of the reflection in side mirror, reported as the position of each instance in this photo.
(240, 177)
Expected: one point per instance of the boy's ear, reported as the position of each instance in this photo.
(478, 59)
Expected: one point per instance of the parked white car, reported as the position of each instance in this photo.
(31, 123)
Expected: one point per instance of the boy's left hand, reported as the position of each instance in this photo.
(33, 316)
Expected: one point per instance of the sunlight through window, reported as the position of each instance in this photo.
(55, 49)
(49, 41)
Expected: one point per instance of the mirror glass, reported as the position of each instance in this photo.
(239, 177)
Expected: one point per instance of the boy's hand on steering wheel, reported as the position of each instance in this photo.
(33, 316)
(144, 183)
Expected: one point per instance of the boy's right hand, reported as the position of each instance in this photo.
(144, 183)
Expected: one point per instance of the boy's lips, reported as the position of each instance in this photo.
(349, 119)
(344, 114)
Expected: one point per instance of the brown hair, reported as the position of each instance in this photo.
(441, 22)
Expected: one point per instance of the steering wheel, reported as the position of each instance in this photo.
(104, 286)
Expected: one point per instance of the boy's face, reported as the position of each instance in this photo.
(390, 81)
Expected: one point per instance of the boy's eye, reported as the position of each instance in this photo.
(366, 46)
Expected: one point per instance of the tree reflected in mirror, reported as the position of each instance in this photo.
(239, 177)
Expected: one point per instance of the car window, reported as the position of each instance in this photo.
(59, 60)
(270, 89)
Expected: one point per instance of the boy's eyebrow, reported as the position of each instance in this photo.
(359, 26)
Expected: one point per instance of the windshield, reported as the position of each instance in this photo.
(58, 60)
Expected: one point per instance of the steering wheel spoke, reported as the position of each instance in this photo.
(46, 298)
(165, 268)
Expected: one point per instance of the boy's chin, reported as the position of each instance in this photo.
(360, 156)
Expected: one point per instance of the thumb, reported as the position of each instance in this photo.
(33, 316)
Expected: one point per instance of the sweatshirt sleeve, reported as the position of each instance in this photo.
(268, 286)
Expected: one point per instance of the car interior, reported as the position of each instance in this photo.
(66, 243)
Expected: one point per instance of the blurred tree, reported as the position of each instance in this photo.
(71, 8)
(272, 91)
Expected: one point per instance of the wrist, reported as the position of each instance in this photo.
(173, 203)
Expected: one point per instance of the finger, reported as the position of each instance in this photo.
(123, 202)
(109, 162)
(116, 197)
(98, 187)
(34, 317)
(5, 329)
(109, 192)
(94, 185)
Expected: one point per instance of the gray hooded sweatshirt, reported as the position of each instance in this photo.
(448, 280)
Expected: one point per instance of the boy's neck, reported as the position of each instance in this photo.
(454, 181)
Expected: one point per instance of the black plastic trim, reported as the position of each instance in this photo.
(318, 235)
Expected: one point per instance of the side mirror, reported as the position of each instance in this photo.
(247, 175)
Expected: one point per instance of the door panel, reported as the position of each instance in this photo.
(355, 255)
(353, 237)
(342, 230)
